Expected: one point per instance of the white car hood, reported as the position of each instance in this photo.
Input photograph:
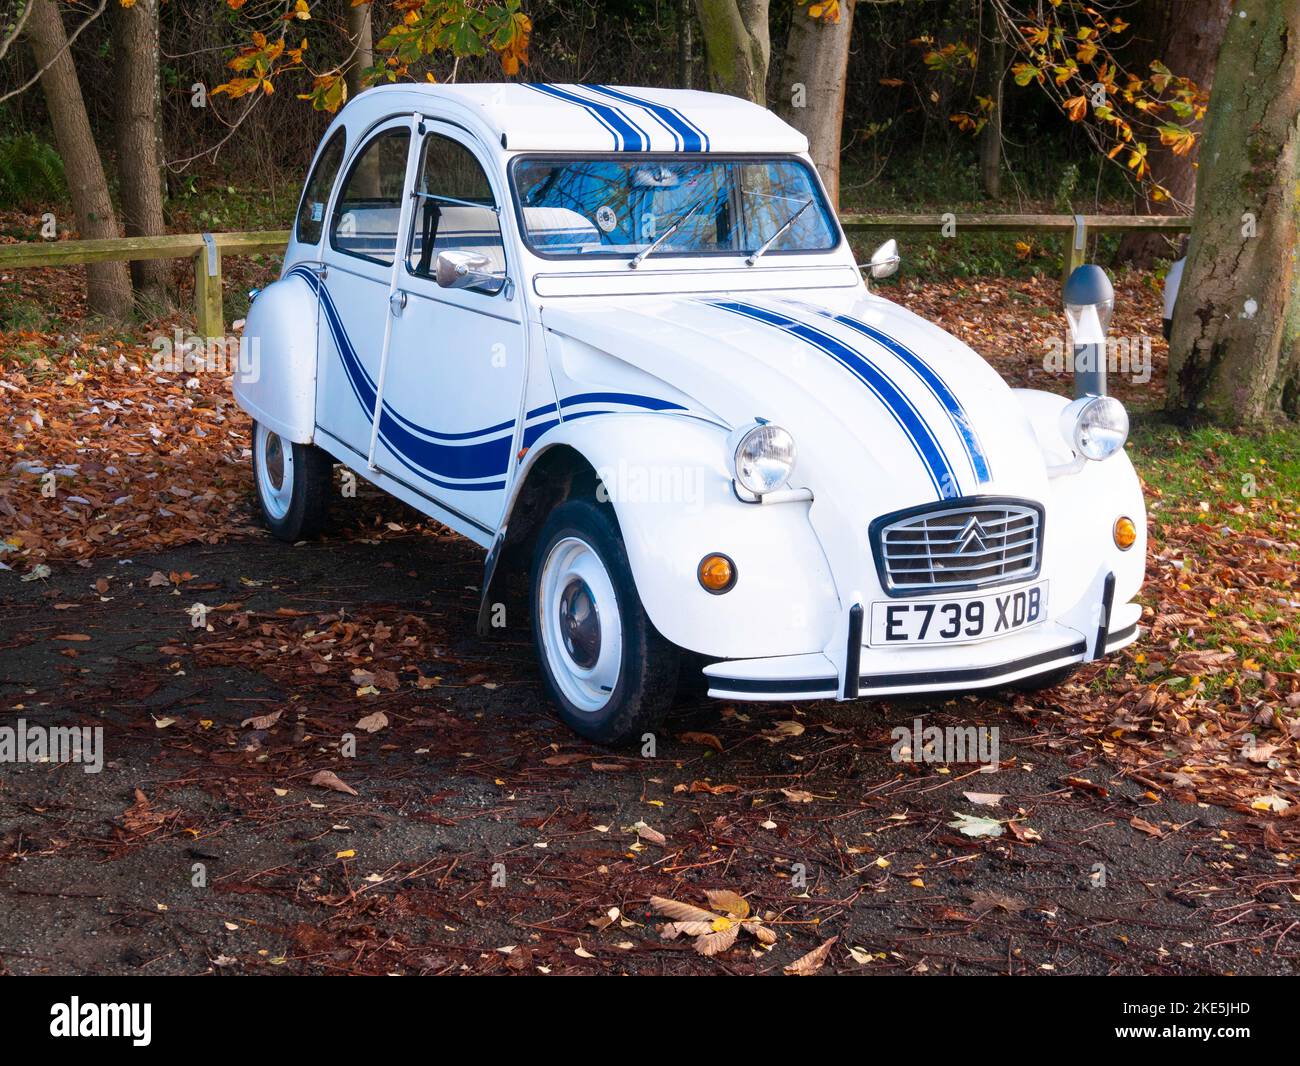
(886, 409)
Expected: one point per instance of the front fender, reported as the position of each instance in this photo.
(667, 479)
(276, 383)
(1082, 507)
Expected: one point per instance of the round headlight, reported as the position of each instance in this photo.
(764, 458)
(1097, 426)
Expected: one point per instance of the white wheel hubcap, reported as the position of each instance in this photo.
(582, 632)
(274, 472)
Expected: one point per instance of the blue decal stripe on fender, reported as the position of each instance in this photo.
(899, 406)
(628, 136)
(689, 137)
(650, 403)
(938, 389)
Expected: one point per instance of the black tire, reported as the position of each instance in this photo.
(307, 511)
(1050, 679)
(648, 667)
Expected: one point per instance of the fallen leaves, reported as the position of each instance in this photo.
(809, 964)
(329, 779)
(973, 825)
(714, 931)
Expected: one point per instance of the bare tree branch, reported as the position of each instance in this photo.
(71, 38)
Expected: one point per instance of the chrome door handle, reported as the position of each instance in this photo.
(397, 302)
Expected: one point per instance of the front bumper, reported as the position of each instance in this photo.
(961, 668)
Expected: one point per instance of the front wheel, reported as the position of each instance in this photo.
(609, 671)
(293, 484)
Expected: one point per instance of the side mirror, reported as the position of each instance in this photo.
(467, 270)
(885, 260)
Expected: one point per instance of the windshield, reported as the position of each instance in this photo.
(619, 206)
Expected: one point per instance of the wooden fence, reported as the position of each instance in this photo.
(207, 249)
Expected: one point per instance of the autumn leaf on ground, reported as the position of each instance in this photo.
(142, 817)
(373, 723)
(972, 825)
(809, 964)
(989, 901)
(724, 901)
(707, 740)
(1023, 833)
(984, 799)
(782, 730)
(263, 721)
(649, 834)
(713, 933)
(1143, 826)
(329, 779)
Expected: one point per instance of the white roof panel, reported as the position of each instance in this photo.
(604, 118)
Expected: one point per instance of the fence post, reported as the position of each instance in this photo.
(207, 290)
(1076, 248)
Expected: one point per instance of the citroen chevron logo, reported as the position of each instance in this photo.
(972, 536)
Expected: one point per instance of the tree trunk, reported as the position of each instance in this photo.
(1185, 36)
(812, 86)
(108, 289)
(737, 46)
(361, 36)
(993, 58)
(139, 168)
(1233, 353)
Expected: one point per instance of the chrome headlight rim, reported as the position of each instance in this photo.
(762, 457)
(1096, 426)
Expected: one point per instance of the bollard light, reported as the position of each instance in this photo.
(1089, 304)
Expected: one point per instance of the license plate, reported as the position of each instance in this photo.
(958, 620)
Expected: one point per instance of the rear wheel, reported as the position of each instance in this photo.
(609, 671)
(293, 484)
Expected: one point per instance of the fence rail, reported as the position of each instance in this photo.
(207, 249)
(1074, 229)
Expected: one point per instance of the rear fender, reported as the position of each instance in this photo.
(276, 382)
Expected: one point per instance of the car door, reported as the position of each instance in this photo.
(456, 366)
(359, 259)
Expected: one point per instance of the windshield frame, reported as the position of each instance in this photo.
(618, 256)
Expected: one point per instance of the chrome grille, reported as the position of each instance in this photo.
(964, 545)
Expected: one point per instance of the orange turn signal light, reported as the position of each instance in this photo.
(1125, 533)
(717, 573)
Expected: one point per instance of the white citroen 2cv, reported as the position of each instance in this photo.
(616, 336)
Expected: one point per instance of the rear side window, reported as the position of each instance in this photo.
(311, 213)
(369, 205)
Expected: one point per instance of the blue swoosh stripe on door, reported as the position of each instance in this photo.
(433, 461)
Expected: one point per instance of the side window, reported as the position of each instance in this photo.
(311, 212)
(369, 205)
(455, 209)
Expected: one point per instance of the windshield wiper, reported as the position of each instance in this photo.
(753, 256)
(635, 261)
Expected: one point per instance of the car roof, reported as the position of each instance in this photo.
(600, 118)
